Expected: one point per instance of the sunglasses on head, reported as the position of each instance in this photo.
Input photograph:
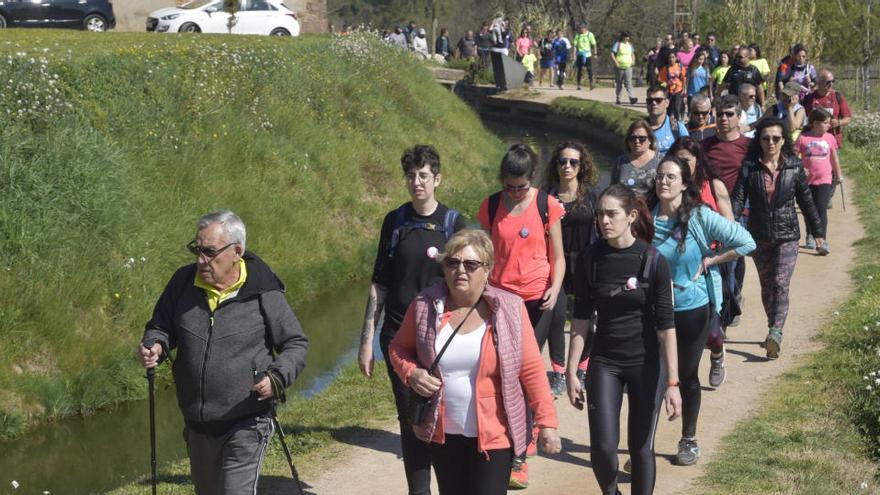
(773, 139)
(637, 139)
(207, 252)
(654, 101)
(574, 162)
(470, 266)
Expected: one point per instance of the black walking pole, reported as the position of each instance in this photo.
(293, 472)
(151, 379)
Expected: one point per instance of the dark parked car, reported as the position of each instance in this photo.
(92, 15)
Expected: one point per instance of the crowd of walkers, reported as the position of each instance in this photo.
(649, 271)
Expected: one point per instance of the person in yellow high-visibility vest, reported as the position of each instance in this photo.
(623, 56)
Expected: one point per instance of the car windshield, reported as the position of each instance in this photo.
(197, 4)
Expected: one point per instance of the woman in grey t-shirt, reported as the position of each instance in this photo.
(637, 168)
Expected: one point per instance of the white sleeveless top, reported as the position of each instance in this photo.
(458, 370)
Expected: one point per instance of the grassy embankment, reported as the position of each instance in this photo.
(112, 145)
(818, 430)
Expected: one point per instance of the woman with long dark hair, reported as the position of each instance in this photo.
(772, 180)
(570, 177)
(625, 282)
(523, 222)
(685, 231)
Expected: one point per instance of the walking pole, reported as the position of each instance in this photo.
(842, 195)
(293, 471)
(151, 379)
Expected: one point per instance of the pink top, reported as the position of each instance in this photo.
(816, 155)
(686, 57)
(523, 43)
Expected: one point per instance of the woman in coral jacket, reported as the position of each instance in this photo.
(476, 419)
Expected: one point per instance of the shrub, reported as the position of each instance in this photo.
(864, 129)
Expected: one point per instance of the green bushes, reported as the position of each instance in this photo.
(864, 129)
(112, 145)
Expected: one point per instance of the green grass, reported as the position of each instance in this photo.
(818, 432)
(317, 430)
(112, 145)
(596, 114)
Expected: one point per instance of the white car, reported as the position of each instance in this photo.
(267, 17)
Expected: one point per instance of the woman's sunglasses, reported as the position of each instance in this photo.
(470, 266)
(574, 162)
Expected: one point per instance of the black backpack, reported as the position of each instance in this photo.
(402, 226)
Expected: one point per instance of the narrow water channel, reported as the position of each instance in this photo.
(97, 453)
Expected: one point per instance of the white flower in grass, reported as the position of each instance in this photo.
(868, 387)
(14, 485)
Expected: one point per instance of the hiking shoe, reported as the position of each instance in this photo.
(688, 452)
(628, 466)
(633, 100)
(823, 249)
(741, 301)
(617, 101)
(811, 242)
(773, 343)
(519, 475)
(579, 88)
(557, 383)
(717, 373)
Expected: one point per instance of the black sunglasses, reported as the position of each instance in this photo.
(574, 162)
(700, 113)
(775, 139)
(654, 101)
(637, 139)
(729, 115)
(510, 188)
(206, 251)
(470, 266)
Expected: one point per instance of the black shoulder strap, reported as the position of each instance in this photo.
(494, 201)
(399, 222)
(673, 126)
(449, 222)
(544, 210)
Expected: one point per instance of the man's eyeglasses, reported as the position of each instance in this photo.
(423, 178)
(637, 139)
(700, 113)
(729, 115)
(207, 252)
(574, 162)
(470, 266)
(773, 139)
(654, 101)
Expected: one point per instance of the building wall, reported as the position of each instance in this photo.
(131, 15)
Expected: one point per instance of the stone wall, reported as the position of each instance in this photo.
(131, 15)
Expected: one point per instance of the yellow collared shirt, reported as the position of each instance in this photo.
(215, 297)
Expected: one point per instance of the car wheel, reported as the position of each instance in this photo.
(189, 27)
(95, 23)
(279, 32)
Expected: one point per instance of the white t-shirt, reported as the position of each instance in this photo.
(458, 370)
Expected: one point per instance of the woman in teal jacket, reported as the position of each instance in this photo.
(684, 229)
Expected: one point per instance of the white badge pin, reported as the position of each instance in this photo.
(524, 232)
(632, 283)
(630, 182)
(432, 252)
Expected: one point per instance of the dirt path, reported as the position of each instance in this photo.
(819, 286)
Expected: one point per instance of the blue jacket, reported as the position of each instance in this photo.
(704, 227)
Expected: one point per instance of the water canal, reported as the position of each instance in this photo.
(100, 452)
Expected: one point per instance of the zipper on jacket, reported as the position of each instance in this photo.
(205, 369)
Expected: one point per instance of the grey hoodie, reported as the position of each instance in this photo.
(219, 353)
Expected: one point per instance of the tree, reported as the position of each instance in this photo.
(231, 6)
(860, 19)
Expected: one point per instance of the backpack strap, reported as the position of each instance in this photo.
(673, 127)
(544, 210)
(449, 222)
(399, 222)
(494, 201)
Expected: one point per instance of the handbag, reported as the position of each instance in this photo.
(416, 404)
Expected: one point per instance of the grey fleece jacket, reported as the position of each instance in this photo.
(219, 353)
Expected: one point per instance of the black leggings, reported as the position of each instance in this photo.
(821, 197)
(586, 62)
(691, 331)
(415, 453)
(560, 73)
(462, 470)
(605, 383)
(676, 105)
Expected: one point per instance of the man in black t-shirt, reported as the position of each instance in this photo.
(412, 236)
(741, 73)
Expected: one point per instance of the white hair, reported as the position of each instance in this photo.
(231, 223)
